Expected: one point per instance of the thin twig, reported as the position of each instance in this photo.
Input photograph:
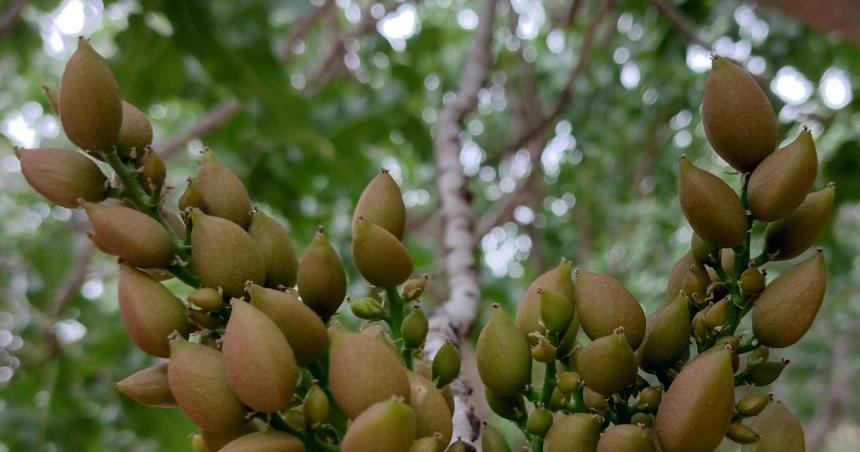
(454, 319)
(216, 117)
(680, 22)
(302, 27)
(565, 97)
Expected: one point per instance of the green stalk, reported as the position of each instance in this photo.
(395, 312)
(311, 442)
(134, 192)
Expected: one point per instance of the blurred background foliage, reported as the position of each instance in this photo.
(306, 101)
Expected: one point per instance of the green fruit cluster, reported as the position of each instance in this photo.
(255, 355)
(667, 382)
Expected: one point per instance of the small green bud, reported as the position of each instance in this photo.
(752, 405)
(752, 281)
(765, 373)
(413, 288)
(316, 406)
(207, 299)
(414, 328)
(367, 308)
(539, 421)
(569, 382)
(543, 352)
(649, 399)
(446, 364)
(742, 434)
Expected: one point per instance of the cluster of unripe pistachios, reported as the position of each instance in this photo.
(256, 356)
(635, 386)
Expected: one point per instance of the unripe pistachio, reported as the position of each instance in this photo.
(363, 371)
(649, 399)
(779, 429)
(153, 172)
(90, 104)
(224, 255)
(63, 177)
(512, 408)
(148, 386)
(149, 311)
(781, 181)
(270, 441)
(414, 328)
(556, 311)
(594, 401)
(716, 314)
(713, 209)
(321, 277)
(381, 203)
(765, 373)
(387, 426)
(727, 260)
(752, 281)
(603, 305)
(432, 415)
(503, 355)
(667, 336)
(752, 405)
(174, 222)
(131, 235)
(198, 381)
(738, 118)
(379, 256)
(569, 382)
(539, 421)
(316, 406)
(577, 432)
(135, 133)
(626, 438)
(784, 312)
(701, 249)
(295, 418)
(697, 408)
(789, 237)
(608, 364)
(303, 329)
(428, 444)
(446, 364)
(741, 434)
(274, 244)
(203, 319)
(493, 441)
(544, 352)
(367, 308)
(557, 280)
(207, 299)
(414, 288)
(190, 197)
(222, 192)
(260, 363)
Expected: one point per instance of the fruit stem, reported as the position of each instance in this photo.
(134, 192)
(310, 441)
(536, 443)
(576, 403)
(395, 319)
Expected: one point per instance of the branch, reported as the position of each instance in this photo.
(680, 22)
(454, 319)
(11, 17)
(216, 117)
(566, 95)
(302, 27)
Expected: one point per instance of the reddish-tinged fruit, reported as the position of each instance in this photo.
(789, 237)
(90, 104)
(697, 408)
(607, 364)
(573, 433)
(379, 256)
(779, 429)
(198, 381)
(304, 330)
(603, 305)
(274, 244)
(431, 410)
(626, 438)
(148, 386)
(387, 426)
(270, 441)
(222, 192)
(713, 209)
(784, 312)
(321, 277)
(738, 118)
(131, 235)
(223, 255)
(363, 371)
(63, 177)
(780, 183)
(667, 337)
(135, 133)
(503, 355)
(149, 311)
